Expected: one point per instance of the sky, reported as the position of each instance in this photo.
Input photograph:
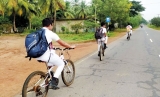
(152, 8)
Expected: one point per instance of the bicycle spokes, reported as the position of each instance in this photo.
(68, 73)
(68, 68)
(36, 85)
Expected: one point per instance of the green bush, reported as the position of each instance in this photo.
(4, 20)
(6, 28)
(77, 27)
(63, 29)
(156, 21)
(27, 31)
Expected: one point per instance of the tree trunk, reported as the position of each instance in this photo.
(30, 25)
(54, 28)
(14, 22)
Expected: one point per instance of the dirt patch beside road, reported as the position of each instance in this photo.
(14, 67)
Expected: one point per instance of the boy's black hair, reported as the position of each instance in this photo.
(103, 23)
(46, 22)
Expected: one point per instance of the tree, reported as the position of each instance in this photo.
(18, 7)
(156, 21)
(65, 13)
(144, 21)
(136, 20)
(117, 10)
(52, 6)
(136, 8)
(83, 13)
(34, 9)
(37, 22)
(2, 7)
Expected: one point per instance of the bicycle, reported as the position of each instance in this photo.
(40, 85)
(101, 51)
(128, 37)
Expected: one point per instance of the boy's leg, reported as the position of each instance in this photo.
(106, 40)
(57, 61)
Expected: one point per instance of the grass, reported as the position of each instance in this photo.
(77, 37)
(82, 37)
(154, 27)
(116, 32)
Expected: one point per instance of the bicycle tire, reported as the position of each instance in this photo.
(101, 53)
(65, 78)
(35, 89)
(128, 38)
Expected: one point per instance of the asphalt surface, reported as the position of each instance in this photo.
(129, 69)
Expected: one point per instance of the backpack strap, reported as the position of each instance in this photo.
(29, 57)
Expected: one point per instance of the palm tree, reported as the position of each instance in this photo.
(82, 14)
(18, 7)
(66, 13)
(80, 10)
(2, 7)
(52, 6)
(58, 4)
(34, 9)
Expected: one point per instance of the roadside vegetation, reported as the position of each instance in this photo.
(155, 23)
(25, 16)
(84, 37)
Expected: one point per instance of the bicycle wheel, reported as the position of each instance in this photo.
(101, 51)
(128, 38)
(68, 73)
(35, 85)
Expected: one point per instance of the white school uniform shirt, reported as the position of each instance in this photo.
(129, 28)
(50, 36)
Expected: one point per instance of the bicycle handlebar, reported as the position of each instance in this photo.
(63, 49)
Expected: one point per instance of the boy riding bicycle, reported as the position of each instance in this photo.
(104, 37)
(129, 30)
(50, 57)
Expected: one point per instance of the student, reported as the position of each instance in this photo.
(50, 56)
(104, 38)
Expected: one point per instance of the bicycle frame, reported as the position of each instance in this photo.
(102, 43)
(37, 83)
(49, 69)
(101, 49)
(62, 56)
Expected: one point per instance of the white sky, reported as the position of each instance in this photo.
(152, 8)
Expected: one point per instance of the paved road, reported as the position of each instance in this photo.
(129, 69)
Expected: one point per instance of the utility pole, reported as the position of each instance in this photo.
(95, 17)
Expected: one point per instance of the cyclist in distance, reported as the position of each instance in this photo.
(104, 38)
(129, 29)
(141, 26)
(50, 57)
